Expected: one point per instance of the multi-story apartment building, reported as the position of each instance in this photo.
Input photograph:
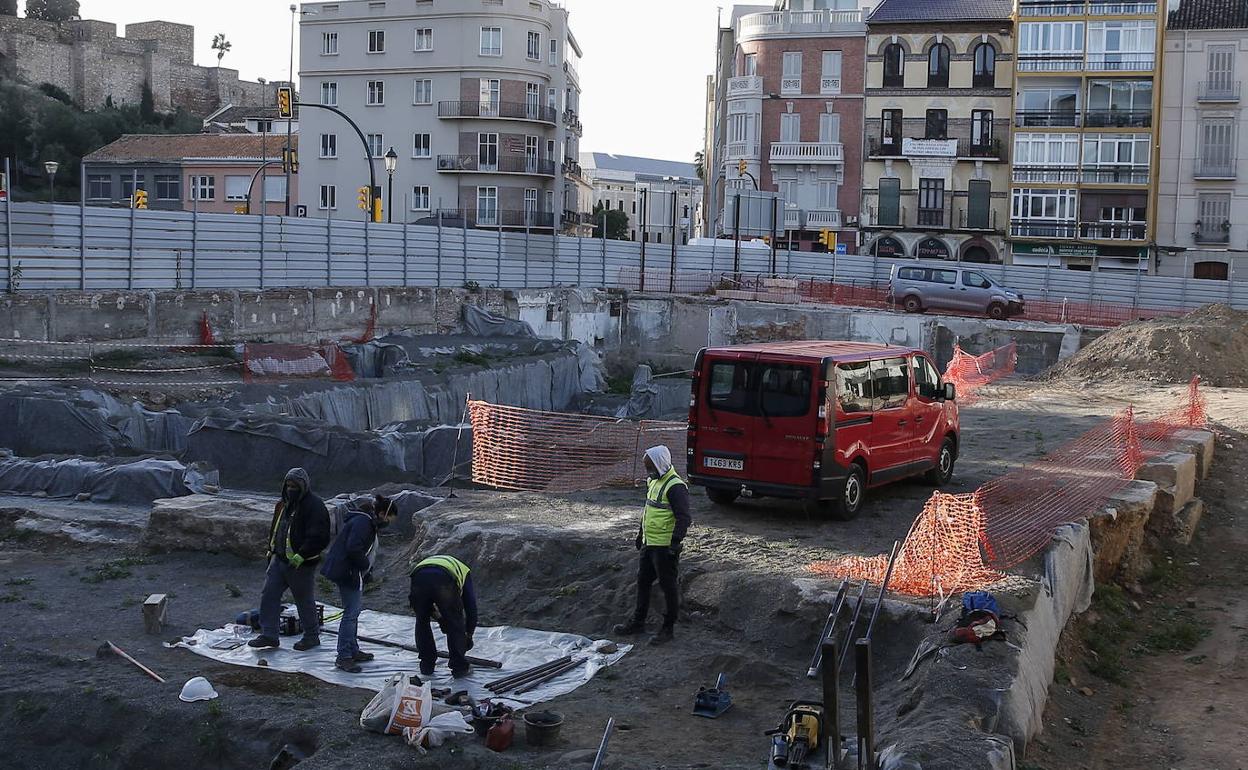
(789, 112)
(1085, 133)
(1202, 209)
(935, 176)
(479, 99)
(630, 184)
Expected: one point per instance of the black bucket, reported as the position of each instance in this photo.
(542, 728)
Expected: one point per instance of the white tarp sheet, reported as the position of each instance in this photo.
(516, 648)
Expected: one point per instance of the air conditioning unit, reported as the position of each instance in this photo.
(851, 221)
(447, 164)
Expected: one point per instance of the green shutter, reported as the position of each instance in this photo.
(890, 202)
(980, 206)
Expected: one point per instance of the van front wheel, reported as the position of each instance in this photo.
(853, 493)
(721, 496)
(943, 471)
(996, 311)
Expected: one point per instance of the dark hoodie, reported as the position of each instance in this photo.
(303, 516)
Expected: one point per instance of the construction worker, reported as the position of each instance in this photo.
(442, 591)
(664, 522)
(348, 564)
(298, 534)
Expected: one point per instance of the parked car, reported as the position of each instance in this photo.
(820, 422)
(954, 287)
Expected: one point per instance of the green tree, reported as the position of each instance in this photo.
(221, 46)
(52, 10)
(147, 103)
(617, 222)
(699, 164)
(8, 7)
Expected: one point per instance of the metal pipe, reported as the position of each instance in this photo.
(544, 678)
(888, 574)
(527, 672)
(520, 681)
(601, 756)
(853, 624)
(817, 660)
(866, 706)
(671, 278)
(831, 707)
(483, 662)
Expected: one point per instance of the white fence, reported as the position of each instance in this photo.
(86, 248)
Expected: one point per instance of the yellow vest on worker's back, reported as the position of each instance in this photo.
(658, 522)
(457, 568)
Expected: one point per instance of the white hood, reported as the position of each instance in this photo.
(661, 456)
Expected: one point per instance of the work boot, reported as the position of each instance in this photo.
(348, 665)
(307, 643)
(460, 673)
(631, 628)
(426, 669)
(664, 636)
(362, 657)
(264, 643)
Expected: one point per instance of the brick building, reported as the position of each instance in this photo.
(89, 61)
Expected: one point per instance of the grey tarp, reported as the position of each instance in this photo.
(483, 323)
(141, 481)
(85, 422)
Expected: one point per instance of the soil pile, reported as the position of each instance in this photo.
(1211, 342)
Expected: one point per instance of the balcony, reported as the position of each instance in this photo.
(1141, 61)
(792, 218)
(992, 150)
(791, 85)
(1118, 119)
(1047, 119)
(572, 168)
(819, 219)
(1115, 8)
(741, 151)
(1213, 233)
(807, 152)
(1220, 168)
(1050, 8)
(936, 218)
(492, 218)
(893, 218)
(829, 86)
(803, 23)
(1045, 174)
(987, 222)
(1113, 231)
(1072, 62)
(912, 147)
(1223, 91)
(498, 111)
(745, 87)
(506, 164)
(573, 122)
(1118, 174)
(1043, 228)
(889, 149)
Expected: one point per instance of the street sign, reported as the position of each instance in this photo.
(842, 248)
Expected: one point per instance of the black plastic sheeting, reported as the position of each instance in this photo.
(136, 482)
(86, 422)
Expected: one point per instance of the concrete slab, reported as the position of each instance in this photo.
(237, 525)
(274, 314)
(1200, 443)
(24, 316)
(1187, 520)
(346, 311)
(1117, 531)
(100, 315)
(177, 315)
(1175, 476)
(412, 309)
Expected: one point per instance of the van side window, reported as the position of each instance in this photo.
(730, 386)
(853, 387)
(912, 274)
(926, 379)
(945, 276)
(891, 381)
(785, 391)
(975, 281)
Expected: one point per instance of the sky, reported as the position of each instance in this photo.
(643, 75)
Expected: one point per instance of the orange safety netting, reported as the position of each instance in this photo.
(970, 373)
(514, 448)
(264, 362)
(963, 542)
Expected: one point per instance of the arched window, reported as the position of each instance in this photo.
(894, 66)
(938, 66)
(985, 66)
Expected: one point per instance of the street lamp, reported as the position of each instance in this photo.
(392, 162)
(50, 166)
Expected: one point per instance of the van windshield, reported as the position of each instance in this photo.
(759, 388)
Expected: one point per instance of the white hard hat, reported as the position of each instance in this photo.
(197, 689)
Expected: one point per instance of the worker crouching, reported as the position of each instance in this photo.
(442, 591)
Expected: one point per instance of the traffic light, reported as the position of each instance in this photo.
(365, 199)
(741, 167)
(240, 208)
(290, 160)
(139, 199)
(828, 239)
(4, 186)
(377, 204)
(285, 102)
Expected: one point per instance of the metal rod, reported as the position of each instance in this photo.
(134, 188)
(888, 574)
(544, 678)
(817, 660)
(736, 234)
(671, 278)
(645, 216)
(483, 662)
(831, 706)
(866, 706)
(853, 624)
(8, 229)
(527, 673)
(602, 747)
(82, 229)
(775, 206)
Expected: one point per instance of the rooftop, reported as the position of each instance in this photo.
(641, 167)
(942, 10)
(1210, 14)
(816, 348)
(146, 148)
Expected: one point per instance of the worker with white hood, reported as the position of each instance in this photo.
(664, 522)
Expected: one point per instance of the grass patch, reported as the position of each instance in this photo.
(475, 359)
(22, 581)
(28, 710)
(113, 570)
(1179, 632)
(38, 605)
(620, 385)
(1109, 639)
(1164, 574)
(121, 358)
(233, 590)
(10, 597)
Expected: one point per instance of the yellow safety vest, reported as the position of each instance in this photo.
(457, 568)
(658, 522)
(290, 552)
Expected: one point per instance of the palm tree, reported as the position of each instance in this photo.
(221, 46)
(699, 164)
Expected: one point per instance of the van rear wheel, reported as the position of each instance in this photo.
(853, 493)
(912, 304)
(721, 496)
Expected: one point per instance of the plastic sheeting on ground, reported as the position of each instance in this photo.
(85, 422)
(516, 648)
(137, 482)
(482, 323)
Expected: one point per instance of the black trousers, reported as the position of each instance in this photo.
(436, 588)
(657, 562)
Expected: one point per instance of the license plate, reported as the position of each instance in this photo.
(724, 463)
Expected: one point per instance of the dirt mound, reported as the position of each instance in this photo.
(1211, 342)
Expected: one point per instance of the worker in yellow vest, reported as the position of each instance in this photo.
(664, 522)
(442, 591)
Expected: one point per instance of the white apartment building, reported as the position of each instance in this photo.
(1203, 199)
(636, 185)
(479, 99)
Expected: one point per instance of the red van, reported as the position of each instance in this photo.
(818, 421)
